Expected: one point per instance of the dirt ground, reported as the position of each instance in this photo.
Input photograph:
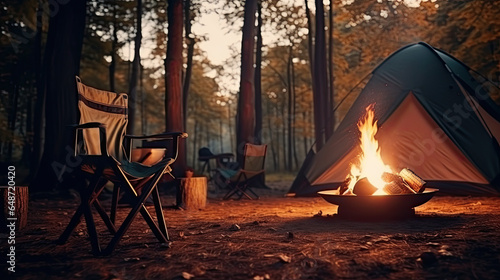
(271, 238)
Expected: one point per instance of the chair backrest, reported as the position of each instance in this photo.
(108, 108)
(254, 157)
(204, 154)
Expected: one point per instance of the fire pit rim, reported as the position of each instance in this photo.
(400, 201)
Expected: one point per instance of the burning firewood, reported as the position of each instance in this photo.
(389, 177)
(364, 187)
(344, 186)
(416, 183)
(397, 186)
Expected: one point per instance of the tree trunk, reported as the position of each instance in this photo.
(284, 136)
(294, 112)
(258, 85)
(62, 63)
(245, 126)
(290, 101)
(310, 44)
(320, 78)
(190, 51)
(38, 120)
(193, 193)
(306, 144)
(13, 100)
(195, 140)
(271, 141)
(16, 198)
(114, 43)
(143, 100)
(221, 136)
(331, 92)
(134, 75)
(173, 80)
(230, 126)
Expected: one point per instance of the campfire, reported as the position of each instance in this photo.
(370, 175)
(373, 189)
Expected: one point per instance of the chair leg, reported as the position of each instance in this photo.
(243, 193)
(114, 203)
(138, 207)
(87, 198)
(256, 195)
(159, 213)
(77, 216)
(75, 220)
(107, 221)
(91, 229)
(230, 193)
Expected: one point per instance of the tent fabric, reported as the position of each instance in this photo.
(434, 118)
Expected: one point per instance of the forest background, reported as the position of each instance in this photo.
(124, 48)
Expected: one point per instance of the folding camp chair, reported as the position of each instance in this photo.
(240, 181)
(223, 160)
(103, 121)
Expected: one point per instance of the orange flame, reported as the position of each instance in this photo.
(370, 165)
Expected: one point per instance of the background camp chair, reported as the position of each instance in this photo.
(223, 160)
(240, 181)
(103, 122)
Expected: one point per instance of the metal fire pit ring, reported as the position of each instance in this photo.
(377, 206)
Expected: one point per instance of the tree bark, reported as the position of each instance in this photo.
(62, 63)
(320, 78)
(20, 203)
(310, 44)
(190, 51)
(245, 127)
(330, 104)
(271, 138)
(134, 75)
(290, 113)
(294, 112)
(12, 116)
(38, 120)
(114, 43)
(195, 140)
(173, 80)
(258, 84)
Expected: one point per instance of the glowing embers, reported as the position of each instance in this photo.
(369, 175)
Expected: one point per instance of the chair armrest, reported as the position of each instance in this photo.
(87, 125)
(102, 135)
(174, 136)
(164, 136)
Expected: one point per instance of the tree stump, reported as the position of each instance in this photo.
(192, 193)
(14, 205)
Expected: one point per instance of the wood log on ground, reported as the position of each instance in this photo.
(14, 205)
(413, 180)
(192, 193)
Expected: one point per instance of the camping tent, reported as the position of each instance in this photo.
(435, 117)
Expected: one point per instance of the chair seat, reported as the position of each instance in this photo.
(227, 173)
(138, 170)
(133, 170)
